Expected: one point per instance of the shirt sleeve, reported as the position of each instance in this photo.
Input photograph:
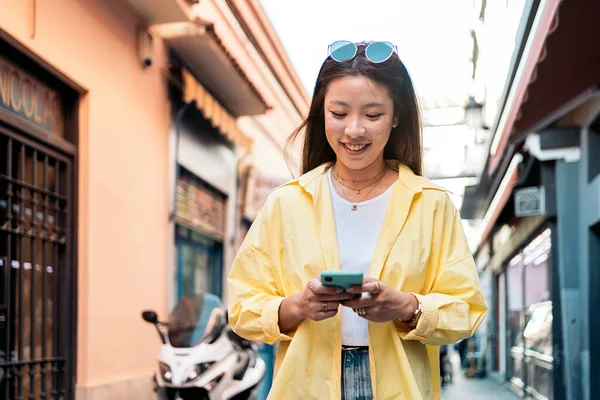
(454, 307)
(253, 294)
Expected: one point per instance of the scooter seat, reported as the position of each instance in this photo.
(237, 339)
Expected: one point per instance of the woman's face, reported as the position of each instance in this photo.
(359, 116)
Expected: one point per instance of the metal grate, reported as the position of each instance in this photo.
(35, 197)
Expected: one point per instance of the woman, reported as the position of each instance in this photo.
(360, 204)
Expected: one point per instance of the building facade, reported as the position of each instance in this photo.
(129, 134)
(537, 203)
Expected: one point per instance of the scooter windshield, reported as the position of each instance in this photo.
(195, 320)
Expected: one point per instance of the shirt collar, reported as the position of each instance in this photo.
(412, 181)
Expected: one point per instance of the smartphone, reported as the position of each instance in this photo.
(343, 279)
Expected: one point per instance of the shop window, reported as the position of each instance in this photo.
(199, 263)
(515, 316)
(201, 220)
(529, 319)
(537, 266)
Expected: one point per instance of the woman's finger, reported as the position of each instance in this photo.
(333, 297)
(373, 288)
(355, 289)
(319, 307)
(325, 315)
(361, 302)
(324, 309)
(317, 287)
(368, 280)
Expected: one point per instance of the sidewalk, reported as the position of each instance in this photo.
(464, 388)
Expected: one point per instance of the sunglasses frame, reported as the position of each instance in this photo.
(394, 48)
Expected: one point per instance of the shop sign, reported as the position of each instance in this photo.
(530, 201)
(200, 208)
(23, 95)
(260, 188)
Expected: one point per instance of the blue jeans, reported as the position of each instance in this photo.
(356, 375)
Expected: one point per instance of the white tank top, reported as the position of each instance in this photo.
(357, 234)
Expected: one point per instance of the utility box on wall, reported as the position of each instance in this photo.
(530, 201)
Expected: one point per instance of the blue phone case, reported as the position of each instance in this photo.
(343, 279)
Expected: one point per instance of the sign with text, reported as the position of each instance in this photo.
(199, 207)
(23, 95)
(259, 189)
(530, 201)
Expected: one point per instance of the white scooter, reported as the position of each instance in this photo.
(201, 357)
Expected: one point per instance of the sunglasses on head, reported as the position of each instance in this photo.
(376, 52)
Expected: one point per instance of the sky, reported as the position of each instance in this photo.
(432, 36)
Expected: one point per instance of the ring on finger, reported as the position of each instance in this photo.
(378, 290)
(324, 308)
(361, 311)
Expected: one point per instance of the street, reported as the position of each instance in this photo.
(464, 388)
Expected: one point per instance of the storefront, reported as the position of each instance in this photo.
(517, 280)
(528, 318)
(552, 126)
(37, 221)
(199, 236)
(84, 116)
(90, 230)
(205, 143)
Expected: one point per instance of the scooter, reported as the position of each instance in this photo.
(201, 357)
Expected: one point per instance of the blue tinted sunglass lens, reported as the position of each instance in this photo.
(378, 52)
(342, 50)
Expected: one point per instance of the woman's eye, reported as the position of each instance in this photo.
(374, 116)
(338, 115)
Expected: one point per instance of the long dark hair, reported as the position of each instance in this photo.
(405, 140)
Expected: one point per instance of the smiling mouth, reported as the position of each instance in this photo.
(355, 147)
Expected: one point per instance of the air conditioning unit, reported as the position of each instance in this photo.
(530, 201)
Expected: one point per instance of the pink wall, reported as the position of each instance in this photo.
(122, 176)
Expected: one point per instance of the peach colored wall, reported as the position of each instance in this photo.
(122, 176)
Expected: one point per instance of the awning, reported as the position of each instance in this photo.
(203, 53)
(544, 21)
(501, 197)
(162, 11)
(213, 111)
(567, 67)
(560, 75)
(561, 66)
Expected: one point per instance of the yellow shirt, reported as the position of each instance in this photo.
(421, 249)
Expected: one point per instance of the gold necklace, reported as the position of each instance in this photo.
(361, 180)
(354, 205)
(357, 191)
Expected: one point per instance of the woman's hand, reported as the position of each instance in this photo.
(315, 302)
(383, 303)
(319, 302)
